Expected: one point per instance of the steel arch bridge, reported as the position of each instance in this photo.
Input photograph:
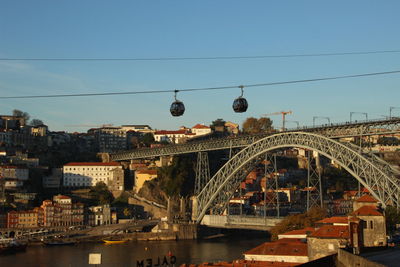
(373, 173)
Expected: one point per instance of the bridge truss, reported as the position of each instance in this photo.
(334, 131)
(373, 173)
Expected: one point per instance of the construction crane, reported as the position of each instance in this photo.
(283, 113)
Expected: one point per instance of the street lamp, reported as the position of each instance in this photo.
(390, 111)
(319, 117)
(364, 113)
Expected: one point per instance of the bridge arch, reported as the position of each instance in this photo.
(375, 174)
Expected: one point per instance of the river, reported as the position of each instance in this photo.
(128, 254)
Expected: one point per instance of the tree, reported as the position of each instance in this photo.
(253, 126)
(147, 139)
(20, 113)
(218, 122)
(298, 221)
(392, 218)
(36, 122)
(100, 194)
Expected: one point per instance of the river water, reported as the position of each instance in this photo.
(130, 253)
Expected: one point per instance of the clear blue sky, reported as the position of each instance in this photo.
(143, 29)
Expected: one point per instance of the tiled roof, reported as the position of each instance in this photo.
(336, 219)
(61, 197)
(332, 231)
(200, 126)
(284, 246)
(151, 172)
(170, 132)
(92, 164)
(367, 211)
(367, 198)
(304, 231)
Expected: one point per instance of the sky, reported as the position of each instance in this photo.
(161, 29)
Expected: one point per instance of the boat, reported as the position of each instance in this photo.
(11, 245)
(110, 241)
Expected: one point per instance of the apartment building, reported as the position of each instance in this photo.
(87, 174)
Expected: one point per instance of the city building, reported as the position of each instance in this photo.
(22, 219)
(285, 250)
(200, 129)
(87, 174)
(175, 137)
(100, 215)
(53, 180)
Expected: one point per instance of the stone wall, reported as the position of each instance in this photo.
(375, 235)
(156, 212)
(321, 247)
(345, 258)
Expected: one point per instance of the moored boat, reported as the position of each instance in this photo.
(11, 245)
(110, 241)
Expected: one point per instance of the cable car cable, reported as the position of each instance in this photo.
(207, 88)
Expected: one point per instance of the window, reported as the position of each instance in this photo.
(371, 225)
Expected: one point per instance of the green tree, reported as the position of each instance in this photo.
(36, 122)
(100, 194)
(20, 113)
(147, 139)
(298, 221)
(253, 125)
(392, 218)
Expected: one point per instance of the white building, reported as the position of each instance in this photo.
(137, 128)
(86, 174)
(175, 137)
(201, 129)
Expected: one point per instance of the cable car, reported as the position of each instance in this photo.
(177, 108)
(240, 105)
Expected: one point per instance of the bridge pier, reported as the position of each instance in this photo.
(314, 192)
(202, 172)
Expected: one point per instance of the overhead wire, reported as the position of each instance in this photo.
(206, 88)
(208, 58)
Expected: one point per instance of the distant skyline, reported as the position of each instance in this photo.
(161, 29)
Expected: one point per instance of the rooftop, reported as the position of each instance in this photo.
(92, 164)
(304, 231)
(332, 231)
(367, 211)
(367, 198)
(332, 220)
(284, 246)
(170, 132)
(200, 126)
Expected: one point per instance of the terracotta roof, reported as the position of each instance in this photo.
(61, 197)
(151, 172)
(92, 164)
(304, 231)
(367, 198)
(284, 246)
(367, 211)
(332, 231)
(170, 132)
(335, 219)
(200, 126)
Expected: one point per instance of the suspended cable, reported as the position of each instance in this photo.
(207, 58)
(209, 88)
